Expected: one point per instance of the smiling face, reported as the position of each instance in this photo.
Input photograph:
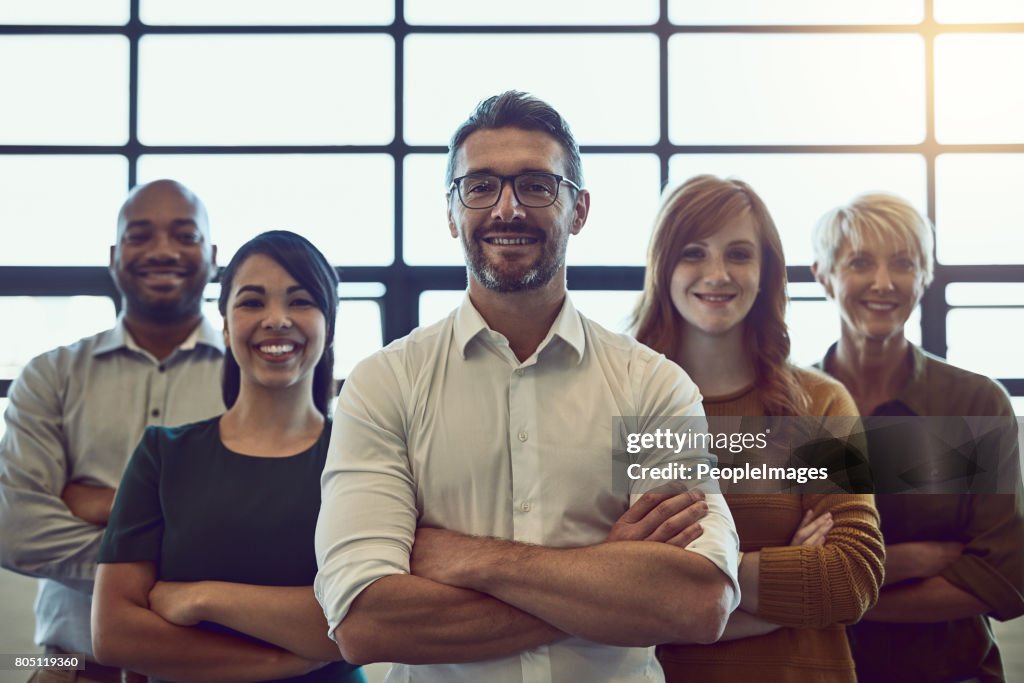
(163, 258)
(876, 285)
(510, 247)
(716, 279)
(273, 327)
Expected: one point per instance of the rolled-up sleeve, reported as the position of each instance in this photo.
(667, 396)
(991, 566)
(368, 513)
(814, 587)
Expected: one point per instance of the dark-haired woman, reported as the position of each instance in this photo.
(207, 564)
(714, 301)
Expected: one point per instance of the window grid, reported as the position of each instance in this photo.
(403, 282)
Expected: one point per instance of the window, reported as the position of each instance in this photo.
(332, 119)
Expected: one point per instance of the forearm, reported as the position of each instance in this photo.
(917, 560)
(928, 601)
(132, 637)
(629, 594)
(743, 624)
(412, 620)
(286, 616)
(89, 502)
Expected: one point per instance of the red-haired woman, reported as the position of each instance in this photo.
(714, 301)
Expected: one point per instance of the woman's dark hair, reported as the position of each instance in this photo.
(310, 268)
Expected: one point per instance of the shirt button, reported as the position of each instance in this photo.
(162, 368)
(525, 507)
(523, 436)
(520, 372)
(155, 412)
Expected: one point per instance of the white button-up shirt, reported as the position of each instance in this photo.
(446, 428)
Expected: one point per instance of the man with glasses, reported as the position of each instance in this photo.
(470, 529)
(77, 412)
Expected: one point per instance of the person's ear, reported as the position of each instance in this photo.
(580, 210)
(452, 228)
(822, 278)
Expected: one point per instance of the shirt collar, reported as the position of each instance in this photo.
(912, 394)
(567, 326)
(118, 337)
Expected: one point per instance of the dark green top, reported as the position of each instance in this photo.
(203, 512)
(991, 527)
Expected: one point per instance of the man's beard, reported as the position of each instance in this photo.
(514, 277)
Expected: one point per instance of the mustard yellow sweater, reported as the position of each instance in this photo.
(811, 592)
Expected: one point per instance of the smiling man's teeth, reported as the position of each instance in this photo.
(510, 241)
(878, 306)
(277, 349)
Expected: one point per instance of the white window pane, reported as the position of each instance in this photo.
(977, 216)
(979, 11)
(985, 294)
(263, 12)
(435, 304)
(64, 90)
(358, 330)
(425, 235)
(796, 89)
(799, 188)
(814, 327)
(612, 309)
(358, 333)
(344, 204)
(606, 86)
(78, 316)
(73, 12)
(795, 11)
(625, 190)
(1016, 401)
(530, 12)
(979, 93)
(238, 90)
(625, 193)
(973, 345)
(60, 210)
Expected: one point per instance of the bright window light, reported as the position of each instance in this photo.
(795, 11)
(344, 204)
(60, 210)
(272, 90)
(606, 86)
(979, 93)
(64, 90)
(735, 89)
(977, 216)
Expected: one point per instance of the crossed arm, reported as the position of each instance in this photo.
(147, 626)
(915, 592)
(830, 573)
(471, 598)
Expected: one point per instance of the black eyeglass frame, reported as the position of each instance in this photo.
(559, 179)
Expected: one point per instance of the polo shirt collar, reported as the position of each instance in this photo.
(912, 394)
(118, 337)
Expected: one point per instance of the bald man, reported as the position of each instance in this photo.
(77, 412)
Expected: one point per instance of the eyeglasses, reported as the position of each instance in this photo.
(533, 190)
